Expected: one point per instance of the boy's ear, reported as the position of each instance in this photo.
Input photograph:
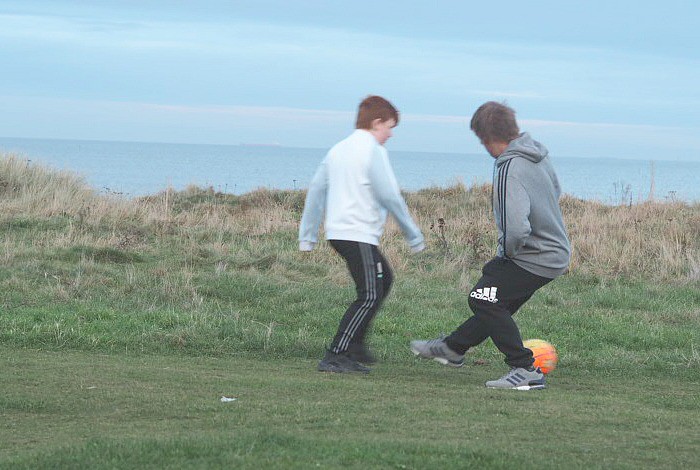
(375, 122)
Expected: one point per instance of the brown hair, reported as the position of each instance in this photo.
(375, 107)
(495, 122)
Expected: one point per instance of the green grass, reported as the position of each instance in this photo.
(118, 338)
(85, 410)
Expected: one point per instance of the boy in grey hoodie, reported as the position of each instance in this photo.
(533, 249)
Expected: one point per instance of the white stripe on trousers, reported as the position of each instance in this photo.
(371, 288)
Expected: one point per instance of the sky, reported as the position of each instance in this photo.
(587, 78)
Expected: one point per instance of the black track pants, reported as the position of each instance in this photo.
(373, 278)
(500, 292)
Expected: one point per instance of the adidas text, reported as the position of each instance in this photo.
(486, 293)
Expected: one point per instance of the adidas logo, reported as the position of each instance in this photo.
(487, 293)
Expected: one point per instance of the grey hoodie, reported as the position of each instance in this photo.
(526, 193)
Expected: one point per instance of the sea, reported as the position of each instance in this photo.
(134, 169)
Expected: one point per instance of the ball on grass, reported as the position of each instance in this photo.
(545, 354)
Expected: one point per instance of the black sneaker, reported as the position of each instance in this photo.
(340, 363)
(361, 353)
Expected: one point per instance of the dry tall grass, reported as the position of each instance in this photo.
(29, 189)
(656, 240)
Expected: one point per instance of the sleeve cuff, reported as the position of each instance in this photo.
(306, 246)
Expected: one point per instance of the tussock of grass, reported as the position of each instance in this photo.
(31, 189)
(653, 240)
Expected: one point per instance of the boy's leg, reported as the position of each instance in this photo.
(367, 268)
(477, 330)
(502, 289)
(385, 276)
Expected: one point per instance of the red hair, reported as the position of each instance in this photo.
(375, 107)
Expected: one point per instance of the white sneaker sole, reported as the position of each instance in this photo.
(530, 387)
(521, 387)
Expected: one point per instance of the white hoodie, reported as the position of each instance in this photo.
(356, 187)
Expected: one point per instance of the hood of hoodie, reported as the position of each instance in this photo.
(523, 146)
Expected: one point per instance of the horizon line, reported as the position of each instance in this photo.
(282, 146)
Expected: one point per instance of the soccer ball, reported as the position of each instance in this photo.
(545, 355)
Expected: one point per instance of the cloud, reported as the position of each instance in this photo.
(333, 57)
(433, 118)
(302, 127)
(320, 115)
(299, 74)
(293, 114)
(266, 112)
(508, 94)
(605, 126)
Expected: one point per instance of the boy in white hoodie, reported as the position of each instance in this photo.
(355, 186)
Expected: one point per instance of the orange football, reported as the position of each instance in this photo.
(545, 354)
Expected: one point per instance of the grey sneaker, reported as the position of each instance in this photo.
(340, 363)
(437, 350)
(519, 379)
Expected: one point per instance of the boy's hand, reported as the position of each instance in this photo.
(418, 248)
(306, 246)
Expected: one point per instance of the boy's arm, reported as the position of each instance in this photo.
(517, 217)
(314, 208)
(387, 192)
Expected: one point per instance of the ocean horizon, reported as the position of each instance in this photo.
(135, 169)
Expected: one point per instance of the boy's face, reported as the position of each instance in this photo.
(381, 130)
(495, 148)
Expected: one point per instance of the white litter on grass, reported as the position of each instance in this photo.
(228, 399)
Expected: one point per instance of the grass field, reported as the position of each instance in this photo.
(123, 323)
(84, 410)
